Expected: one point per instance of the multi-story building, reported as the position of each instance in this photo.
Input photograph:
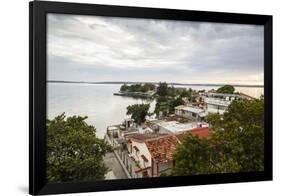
(191, 112)
(215, 105)
(149, 155)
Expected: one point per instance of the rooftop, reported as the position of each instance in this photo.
(246, 96)
(203, 114)
(202, 132)
(161, 146)
(145, 136)
(222, 94)
(162, 149)
(190, 109)
(112, 128)
(175, 126)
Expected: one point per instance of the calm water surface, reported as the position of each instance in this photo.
(93, 100)
(100, 105)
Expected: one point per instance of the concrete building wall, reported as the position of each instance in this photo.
(143, 150)
(132, 166)
(215, 109)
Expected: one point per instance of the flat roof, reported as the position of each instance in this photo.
(111, 128)
(190, 109)
(203, 114)
(175, 126)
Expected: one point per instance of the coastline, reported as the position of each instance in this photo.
(171, 83)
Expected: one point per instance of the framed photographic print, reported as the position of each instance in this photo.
(131, 97)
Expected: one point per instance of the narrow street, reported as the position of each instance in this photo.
(116, 171)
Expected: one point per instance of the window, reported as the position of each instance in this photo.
(145, 160)
(136, 150)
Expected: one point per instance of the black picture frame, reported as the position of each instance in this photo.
(37, 100)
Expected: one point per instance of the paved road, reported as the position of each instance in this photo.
(116, 170)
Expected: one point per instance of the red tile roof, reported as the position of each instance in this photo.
(162, 149)
(161, 146)
(202, 132)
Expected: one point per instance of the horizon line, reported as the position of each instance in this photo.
(170, 83)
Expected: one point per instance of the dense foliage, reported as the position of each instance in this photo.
(74, 153)
(235, 145)
(168, 98)
(174, 103)
(162, 89)
(138, 112)
(137, 87)
(226, 89)
(186, 93)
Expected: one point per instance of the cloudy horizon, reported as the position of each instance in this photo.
(95, 49)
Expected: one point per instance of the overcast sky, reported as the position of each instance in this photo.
(91, 48)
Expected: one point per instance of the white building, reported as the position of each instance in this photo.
(139, 158)
(219, 102)
(215, 105)
(149, 155)
(176, 127)
(190, 112)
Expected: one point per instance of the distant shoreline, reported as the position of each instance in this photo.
(171, 83)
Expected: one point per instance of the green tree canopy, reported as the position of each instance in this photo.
(74, 153)
(186, 93)
(226, 89)
(168, 98)
(235, 145)
(137, 87)
(138, 112)
(172, 91)
(161, 106)
(148, 86)
(124, 87)
(162, 89)
(174, 103)
(215, 120)
(192, 157)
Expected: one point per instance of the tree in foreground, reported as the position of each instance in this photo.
(235, 145)
(74, 153)
(138, 112)
(191, 157)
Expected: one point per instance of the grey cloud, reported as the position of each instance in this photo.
(110, 48)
